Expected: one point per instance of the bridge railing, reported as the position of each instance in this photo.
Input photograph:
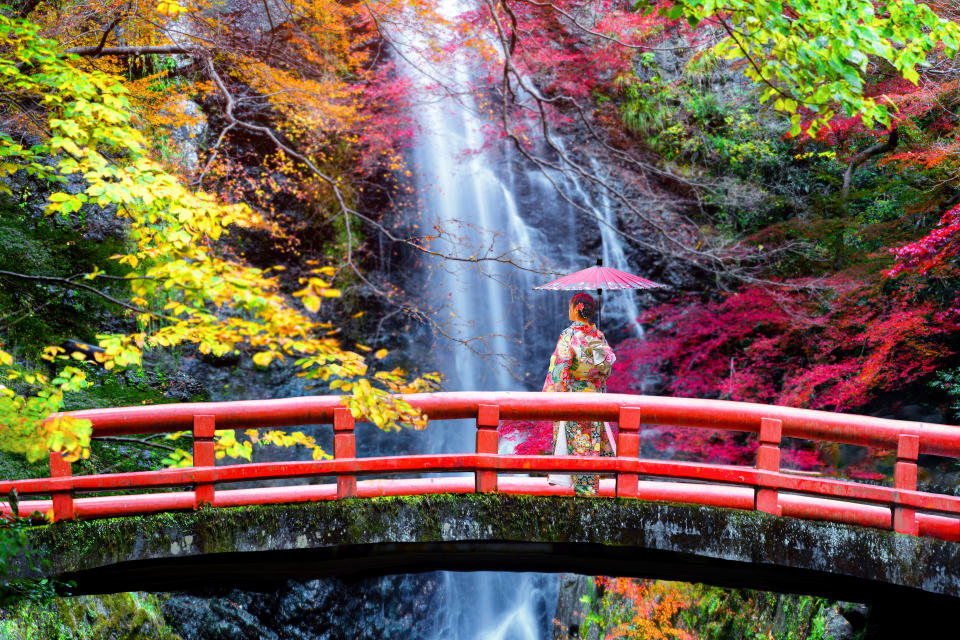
(763, 487)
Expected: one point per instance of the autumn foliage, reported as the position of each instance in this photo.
(645, 609)
(308, 110)
(849, 327)
(184, 284)
(757, 345)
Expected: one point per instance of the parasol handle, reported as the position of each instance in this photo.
(599, 305)
(599, 296)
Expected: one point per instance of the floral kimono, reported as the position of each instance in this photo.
(581, 363)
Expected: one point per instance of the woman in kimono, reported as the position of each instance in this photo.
(581, 363)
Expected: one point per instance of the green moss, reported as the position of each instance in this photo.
(722, 614)
(624, 527)
(35, 314)
(119, 616)
(108, 389)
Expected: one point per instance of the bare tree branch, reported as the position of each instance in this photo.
(106, 32)
(27, 7)
(348, 213)
(68, 282)
(137, 441)
(100, 50)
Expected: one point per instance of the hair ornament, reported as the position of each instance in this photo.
(580, 306)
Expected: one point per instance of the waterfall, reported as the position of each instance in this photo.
(469, 190)
(481, 199)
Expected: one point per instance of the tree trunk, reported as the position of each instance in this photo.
(866, 154)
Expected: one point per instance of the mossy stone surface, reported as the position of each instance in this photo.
(119, 616)
(261, 544)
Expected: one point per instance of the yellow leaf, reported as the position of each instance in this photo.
(381, 354)
(6, 358)
(330, 293)
(312, 303)
(363, 347)
(263, 358)
(49, 353)
(170, 9)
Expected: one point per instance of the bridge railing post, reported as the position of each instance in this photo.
(488, 441)
(204, 429)
(768, 459)
(344, 446)
(62, 500)
(628, 446)
(905, 477)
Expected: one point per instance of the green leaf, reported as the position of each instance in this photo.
(911, 75)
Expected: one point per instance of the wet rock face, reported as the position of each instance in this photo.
(387, 607)
(836, 625)
(200, 618)
(571, 611)
(92, 221)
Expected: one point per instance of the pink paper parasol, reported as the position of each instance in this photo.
(599, 278)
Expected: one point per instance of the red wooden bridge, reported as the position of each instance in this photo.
(764, 487)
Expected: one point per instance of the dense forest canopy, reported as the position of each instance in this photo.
(800, 154)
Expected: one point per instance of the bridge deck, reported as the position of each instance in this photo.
(716, 495)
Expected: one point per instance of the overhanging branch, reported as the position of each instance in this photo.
(166, 49)
(67, 282)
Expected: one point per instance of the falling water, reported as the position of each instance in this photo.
(471, 196)
(492, 332)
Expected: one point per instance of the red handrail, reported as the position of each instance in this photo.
(763, 487)
(846, 428)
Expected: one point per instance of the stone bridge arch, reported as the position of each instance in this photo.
(259, 547)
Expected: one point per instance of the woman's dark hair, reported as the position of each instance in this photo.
(589, 305)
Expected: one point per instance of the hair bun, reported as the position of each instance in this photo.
(585, 305)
